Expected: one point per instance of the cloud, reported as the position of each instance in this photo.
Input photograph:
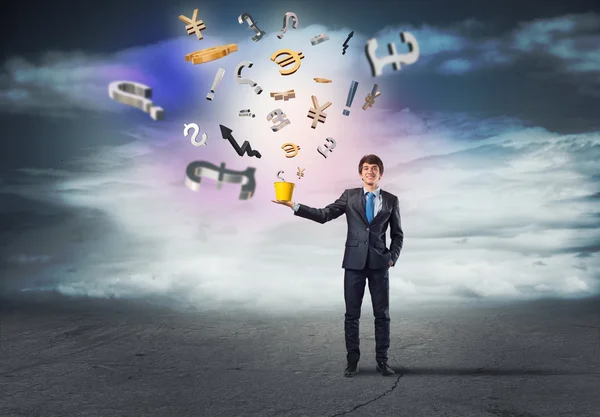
(456, 66)
(544, 32)
(480, 218)
(56, 84)
(25, 259)
(572, 40)
(60, 84)
(570, 43)
(483, 201)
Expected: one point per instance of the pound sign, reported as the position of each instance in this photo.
(327, 148)
(278, 118)
(393, 58)
(252, 24)
(198, 169)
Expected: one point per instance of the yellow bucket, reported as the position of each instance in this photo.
(284, 191)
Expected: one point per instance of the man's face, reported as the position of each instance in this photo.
(370, 174)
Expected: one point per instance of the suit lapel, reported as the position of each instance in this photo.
(362, 207)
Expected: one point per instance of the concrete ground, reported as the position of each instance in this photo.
(120, 358)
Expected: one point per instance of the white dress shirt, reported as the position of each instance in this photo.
(377, 200)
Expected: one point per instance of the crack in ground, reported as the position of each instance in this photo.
(376, 398)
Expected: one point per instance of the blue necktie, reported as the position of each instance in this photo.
(370, 207)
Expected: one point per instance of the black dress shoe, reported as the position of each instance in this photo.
(351, 369)
(384, 369)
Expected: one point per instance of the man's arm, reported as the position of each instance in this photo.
(332, 211)
(396, 233)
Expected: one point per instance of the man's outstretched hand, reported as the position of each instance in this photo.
(289, 204)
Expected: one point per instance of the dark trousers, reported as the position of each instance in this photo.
(354, 290)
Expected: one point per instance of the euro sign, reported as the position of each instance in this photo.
(293, 57)
(290, 149)
(198, 169)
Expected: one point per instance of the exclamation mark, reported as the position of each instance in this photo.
(215, 84)
(350, 98)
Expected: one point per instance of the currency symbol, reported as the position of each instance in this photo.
(252, 24)
(327, 148)
(193, 25)
(370, 98)
(240, 80)
(394, 58)
(286, 18)
(319, 39)
(284, 62)
(278, 118)
(345, 45)
(246, 112)
(186, 129)
(316, 113)
(241, 150)
(279, 176)
(285, 96)
(136, 95)
(211, 54)
(300, 173)
(198, 169)
(290, 149)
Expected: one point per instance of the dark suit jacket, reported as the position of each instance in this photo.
(363, 238)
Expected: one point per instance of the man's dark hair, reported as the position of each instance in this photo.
(372, 160)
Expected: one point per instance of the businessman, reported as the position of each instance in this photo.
(369, 210)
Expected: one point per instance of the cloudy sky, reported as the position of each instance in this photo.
(490, 140)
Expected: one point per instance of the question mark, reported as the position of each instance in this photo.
(136, 95)
(186, 129)
(286, 19)
(240, 80)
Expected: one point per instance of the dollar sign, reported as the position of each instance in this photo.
(186, 130)
(394, 57)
